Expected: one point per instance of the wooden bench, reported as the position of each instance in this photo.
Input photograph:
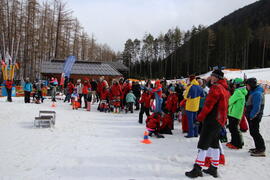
(45, 118)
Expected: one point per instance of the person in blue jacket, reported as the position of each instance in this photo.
(254, 113)
(27, 87)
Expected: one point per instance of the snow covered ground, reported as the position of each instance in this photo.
(99, 146)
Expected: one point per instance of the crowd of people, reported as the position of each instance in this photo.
(205, 107)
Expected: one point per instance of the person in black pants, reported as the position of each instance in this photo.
(254, 113)
(136, 88)
(145, 105)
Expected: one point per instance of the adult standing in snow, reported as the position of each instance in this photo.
(213, 116)
(27, 87)
(235, 113)
(192, 95)
(157, 91)
(254, 113)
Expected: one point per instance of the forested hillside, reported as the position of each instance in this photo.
(33, 31)
(239, 40)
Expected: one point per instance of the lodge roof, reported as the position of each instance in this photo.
(81, 68)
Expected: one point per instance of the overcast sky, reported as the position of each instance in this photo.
(114, 21)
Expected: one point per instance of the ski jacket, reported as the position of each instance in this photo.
(104, 94)
(86, 88)
(237, 103)
(8, 84)
(166, 121)
(136, 88)
(145, 100)
(70, 87)
(193, 95)
(172, 103)
(54, 82)
(79, 88)
(217, 99)
(157, 90)
(255, 103)
(28, 87)
(93, 85)
(152, 122)
(116, 90)
(130, 98)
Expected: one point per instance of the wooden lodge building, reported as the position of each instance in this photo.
(84, 69)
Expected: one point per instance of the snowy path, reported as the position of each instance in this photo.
(99, 146)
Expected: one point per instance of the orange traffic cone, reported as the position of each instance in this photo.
(145, 138)
(53, 104)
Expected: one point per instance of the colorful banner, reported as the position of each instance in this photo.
(68, 65)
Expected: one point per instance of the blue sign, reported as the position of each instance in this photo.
(68, 65)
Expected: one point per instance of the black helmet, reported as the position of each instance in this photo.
(252, 82)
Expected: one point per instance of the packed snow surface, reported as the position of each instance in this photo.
(99, 146)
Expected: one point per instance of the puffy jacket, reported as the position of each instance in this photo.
(116, 90)
(104, 94)
(152, 122)
(237, 103)
(255, 103)
(130, 98)
(217, 98)
(145, 100)
(70, 87)
(27, 86)
(157, 90)
(193, 94)
(172, 103)
(167, 121)
(86, 88)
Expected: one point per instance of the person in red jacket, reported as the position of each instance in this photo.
(167, 124)
(86, 92)
(116, 93)
(171, 104)
(153, 124)
(145, 105)
(8, 85)
(214, 117)
(104, 97)
(70, 89)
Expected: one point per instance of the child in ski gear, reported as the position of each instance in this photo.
(104, 100)
(153, 124)
(116, 93)
(53, 85)
(213, 116)
(85, 91)
(167, 124)
(145, 105)
(235, 113)
(254, 113)
(79, 87)
(27, 87)
(171, 104)
(75, 99)
(130, 100)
